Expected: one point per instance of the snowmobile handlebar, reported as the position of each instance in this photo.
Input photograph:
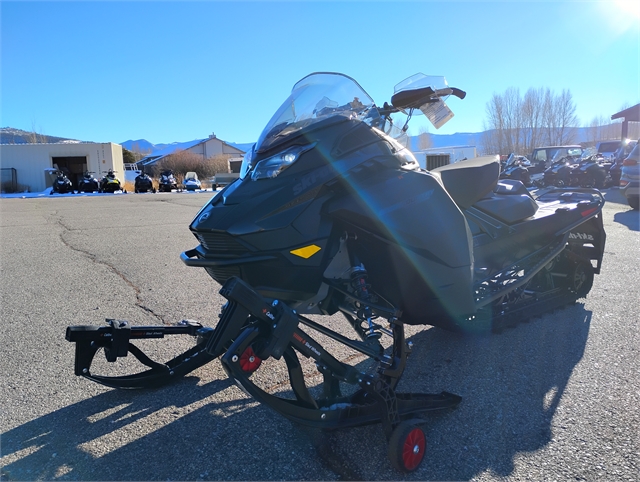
(414, 98)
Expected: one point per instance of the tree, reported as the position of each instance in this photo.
(127, 156)
(35, 137)
(424, 139)
(181, 162)
(519, 124)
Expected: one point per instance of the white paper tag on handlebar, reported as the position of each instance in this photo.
(438, 113)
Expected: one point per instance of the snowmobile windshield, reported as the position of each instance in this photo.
(511, 160)
(314, 98)
(568, 153)
(588, 152)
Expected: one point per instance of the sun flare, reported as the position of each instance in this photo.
(619, 16)
(628, 7)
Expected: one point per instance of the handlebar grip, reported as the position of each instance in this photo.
(460, 94)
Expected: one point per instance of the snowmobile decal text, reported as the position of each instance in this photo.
(310, 179)
(582, 236)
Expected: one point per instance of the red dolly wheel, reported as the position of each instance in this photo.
(407, 447)
(249, 361)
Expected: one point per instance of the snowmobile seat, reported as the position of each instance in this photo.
(510, 186)
(471, 180)
(510, 202)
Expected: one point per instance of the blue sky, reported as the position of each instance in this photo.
(177, 71)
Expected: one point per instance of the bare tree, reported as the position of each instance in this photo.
(567, 119)
(532, 113)
(519, 124)
(35, 137)
(424, 139)
(182, 161)
(504, 123)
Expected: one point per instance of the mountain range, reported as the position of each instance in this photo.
(10, 135)
(145, 147)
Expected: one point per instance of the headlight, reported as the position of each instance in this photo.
(246, 162)
(272, 166)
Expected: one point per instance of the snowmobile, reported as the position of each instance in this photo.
(88, 183)
(110, 183)
(61, 184)
(517, 168)
(167, 181)
(560, 172)
(593, 170)
(143, 183)
(333, 215)
(191, 182)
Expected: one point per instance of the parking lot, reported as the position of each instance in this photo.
(556, 398)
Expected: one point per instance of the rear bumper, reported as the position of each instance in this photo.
(632, 189)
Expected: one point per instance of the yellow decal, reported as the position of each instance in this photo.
(306, 252)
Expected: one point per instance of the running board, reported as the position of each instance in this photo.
(531, 265)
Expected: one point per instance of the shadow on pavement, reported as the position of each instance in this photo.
(630, 219)
(511, 385)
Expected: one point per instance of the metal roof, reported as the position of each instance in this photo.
(632, 114)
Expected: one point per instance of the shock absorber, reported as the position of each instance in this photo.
(361, 290)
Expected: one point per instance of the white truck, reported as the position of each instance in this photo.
(223, 178)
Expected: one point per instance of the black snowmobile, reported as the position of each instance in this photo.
(561, 171)
(143, 183)
(333, 214)
(167, 181)
(88, 183)
(61, 184)
(592, 170)
(517, 168)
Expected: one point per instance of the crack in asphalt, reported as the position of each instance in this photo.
(94, 258)
(323, 442)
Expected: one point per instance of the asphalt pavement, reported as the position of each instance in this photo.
(556, 398)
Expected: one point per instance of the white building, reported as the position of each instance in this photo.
(29, 162)
(207, 148)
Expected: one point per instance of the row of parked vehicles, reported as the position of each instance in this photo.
(168, 182)
(109, 183)
(87, 183)
(574, 166)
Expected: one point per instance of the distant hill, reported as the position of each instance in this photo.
(141, 145)
(10, 135)
(145, 147)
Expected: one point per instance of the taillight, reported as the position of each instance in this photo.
(623, 183)
(629, 162)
